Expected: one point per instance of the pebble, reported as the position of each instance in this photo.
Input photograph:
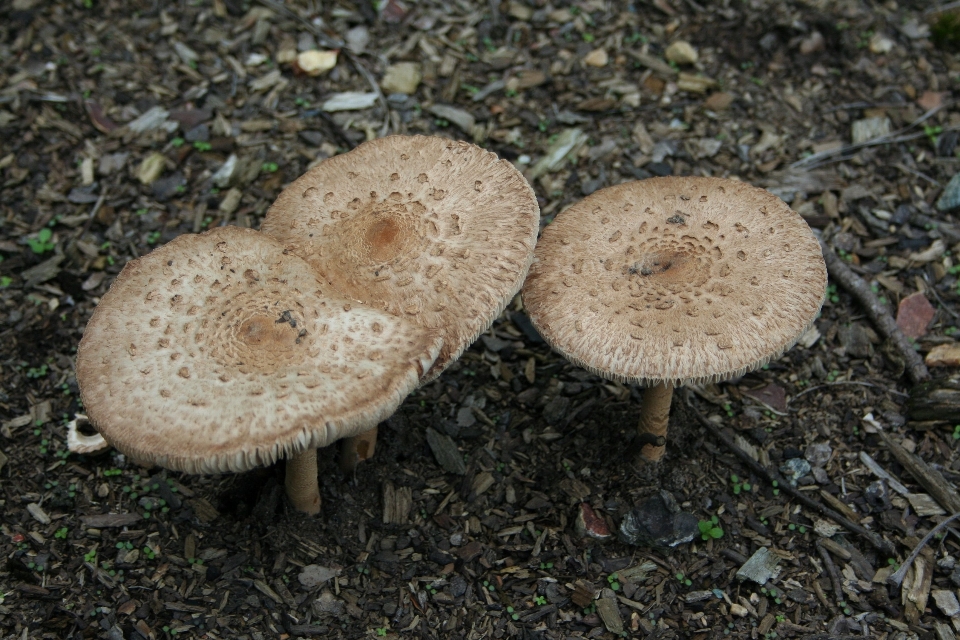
(794, 469)
(112, 162)
(328, 604)
(402, 77)
(761, 567)
(151, 168)
(818, 453)
(313, 575)
(231, 201)
(596, 58)
(950, 198)
(658, 522)
(681, 52)
(914, 315)
(315, 62)
(946, 602)
(870, 128)
(880, 43)
(944, 355)
(718, 101)
(153, 119)
(812, 43)
(357, 39)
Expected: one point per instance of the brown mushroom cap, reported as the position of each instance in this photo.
(675, 280)
(220, 352)
(435, 230)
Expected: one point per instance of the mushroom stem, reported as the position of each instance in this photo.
(301, 481)
(357, 449)
(654, 417)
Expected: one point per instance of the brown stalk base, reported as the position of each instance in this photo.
(654, 417)
(355, 450)
(301, 481)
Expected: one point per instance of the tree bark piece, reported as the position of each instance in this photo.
(654, 418)
(871, 537)
(928, 477)
(878, 312)
(301, 481)
(355, 450)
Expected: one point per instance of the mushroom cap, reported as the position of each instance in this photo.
(675, 280)
(435, 230)
(219, 352)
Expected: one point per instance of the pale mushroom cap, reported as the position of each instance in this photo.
(675, 280)
(219, 352)
(435, 230)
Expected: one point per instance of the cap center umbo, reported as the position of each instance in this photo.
(385, 232)
(262, 337)
(666, 268)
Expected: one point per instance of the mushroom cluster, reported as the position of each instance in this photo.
(230, 349)
(669, 281)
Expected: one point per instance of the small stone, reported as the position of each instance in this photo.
(446, 452)
(870, 128)
(328, 604)
(946, 602)
(527, 78)
(315, 62)
(681, 52)
(718, 101)
(794, 469)
(112, 162)
(313, 575)
(596, 58)
(761, 567)
(231, 201)
(556, 409)
(944, 355)
(932, 99)
(589, 524)
(877, 495)
(402, 77)
(151, 168)
(818, 453)
(880, 43)
(812, 43)
(357, 39)
(658, 522)
(914, 315)
(855, 340)
(520, 11)
(739, 610)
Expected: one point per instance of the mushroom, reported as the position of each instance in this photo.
(669, 281)
(220, 352)
(434, 230)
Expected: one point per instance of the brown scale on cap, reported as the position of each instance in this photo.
(219, 352)
(439, 231)
(667, 281)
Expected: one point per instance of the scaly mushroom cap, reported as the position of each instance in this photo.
(219, 352)
(675, 280)
(435, 230)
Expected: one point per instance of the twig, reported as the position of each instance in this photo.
(839, 382)
(925, 475)
(771, 476)
(831, 570)
(896, 579)
(877, 312)
(813, 161)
